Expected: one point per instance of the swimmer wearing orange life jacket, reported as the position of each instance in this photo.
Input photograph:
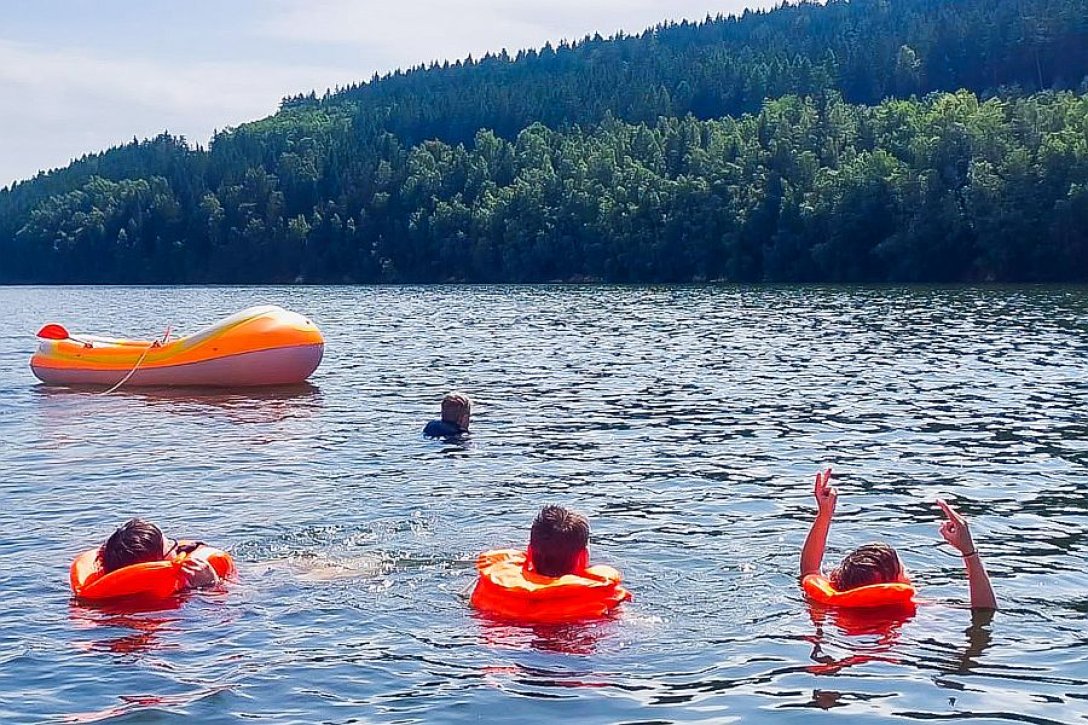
(551, 581)
(872, 575)
(138, 560)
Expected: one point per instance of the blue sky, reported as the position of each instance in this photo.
(81, 75)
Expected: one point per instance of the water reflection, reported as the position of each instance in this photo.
(237, 405)
(145, 622)
(868, 635)
(979, 636)
(684, 422)
(577, 638)
(149, 705)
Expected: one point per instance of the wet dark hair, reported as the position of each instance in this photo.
(869, 564)
(135, 542)
(557, 539)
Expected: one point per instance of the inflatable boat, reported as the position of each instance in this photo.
(264, 345)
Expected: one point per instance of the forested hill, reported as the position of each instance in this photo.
(658, 157)
(866, 49)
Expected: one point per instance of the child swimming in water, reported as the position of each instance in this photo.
(138, 541)
(558, 542)
(456, 413)
(879, 563)
(551, 581)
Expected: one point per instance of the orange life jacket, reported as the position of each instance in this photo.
(893, 594)
(508, 589)
(152, 579)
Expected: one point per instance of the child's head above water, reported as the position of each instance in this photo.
(869, 564)
(135, 542)
(457, 409)
(558, 541)
(878, 563)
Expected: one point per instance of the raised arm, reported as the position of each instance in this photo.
(812, 555)
(957, 533)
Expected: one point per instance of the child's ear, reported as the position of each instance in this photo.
(583, 560)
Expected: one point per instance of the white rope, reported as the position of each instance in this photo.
(154, 344)
(135, 367)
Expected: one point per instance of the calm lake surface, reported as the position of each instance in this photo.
(686, 422)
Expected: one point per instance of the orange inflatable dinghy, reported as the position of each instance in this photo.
(153, 579)
(507, 589)
(893, 594)
(265, 345)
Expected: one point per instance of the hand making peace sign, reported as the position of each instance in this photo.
(826, 494)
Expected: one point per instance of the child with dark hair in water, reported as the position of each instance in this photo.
(138, 542)
(869, 564)
(879, 563)
(551, 581)
(558, 542)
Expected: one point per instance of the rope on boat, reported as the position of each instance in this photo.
(131, 372)
(143, 356)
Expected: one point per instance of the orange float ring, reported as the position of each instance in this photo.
(508, 590)
(893, 594)
(152, 579)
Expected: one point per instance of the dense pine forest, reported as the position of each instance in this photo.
(871, 140)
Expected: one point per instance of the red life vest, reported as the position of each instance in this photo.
(509, 590)
(892, 594)
(152, 579)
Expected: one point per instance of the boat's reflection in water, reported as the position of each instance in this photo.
(237, 405)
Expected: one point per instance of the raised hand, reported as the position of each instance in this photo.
(812, 553)
(956, 531)
(827, 496)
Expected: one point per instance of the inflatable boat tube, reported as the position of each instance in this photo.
(264, 345)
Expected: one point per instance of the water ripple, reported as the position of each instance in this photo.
(686, 422)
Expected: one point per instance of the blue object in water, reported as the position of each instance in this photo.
(442, 429)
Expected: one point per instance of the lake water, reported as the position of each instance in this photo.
(687, 423)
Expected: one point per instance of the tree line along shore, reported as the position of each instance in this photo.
(864, 141)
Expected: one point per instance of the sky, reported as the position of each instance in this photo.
(78, 76)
